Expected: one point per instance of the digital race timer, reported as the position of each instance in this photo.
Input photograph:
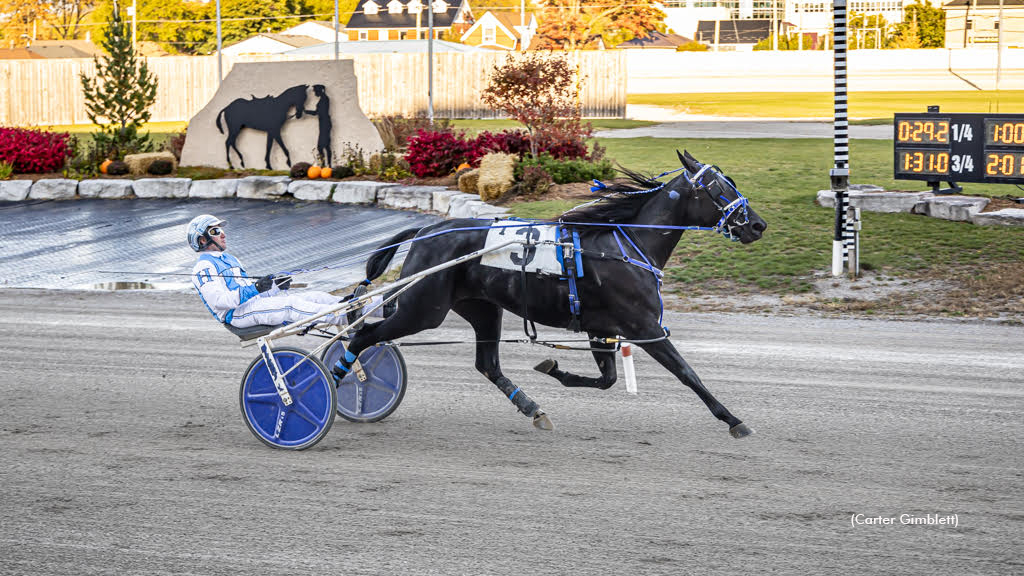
(959, 147)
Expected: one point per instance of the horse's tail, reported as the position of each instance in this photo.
(378, 263)
(219, 114)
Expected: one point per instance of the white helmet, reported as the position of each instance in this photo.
(197, 229)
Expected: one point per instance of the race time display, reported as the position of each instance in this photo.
(959, 147)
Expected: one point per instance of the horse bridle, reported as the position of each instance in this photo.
(726, 223)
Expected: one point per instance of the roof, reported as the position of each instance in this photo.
(511, 20)
(383, 47)
(292, 39)
(384, 19)
(19, 54)
(733, 31)
(984, 4)
(655, 39)
(65, 49)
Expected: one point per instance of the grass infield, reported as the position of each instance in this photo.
(864, 105)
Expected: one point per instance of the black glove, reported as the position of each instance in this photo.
(283, 282)
(264, 283)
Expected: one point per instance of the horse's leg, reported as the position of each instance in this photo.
(666, 354)
(234, 144)
(485, 318)
(605, 361)
(270, 146)
(227, 148)
(287, 156)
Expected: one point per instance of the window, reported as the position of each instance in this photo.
(370, 9)
(490, 33)
(362, 35)
(395, 7)
(415, 6)
(440, 6)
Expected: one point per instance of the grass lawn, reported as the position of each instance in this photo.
(781, 178)
(819, 104)
(476, 126)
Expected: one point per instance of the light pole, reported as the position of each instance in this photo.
(335, 29)
(430, 61)
(220, 40)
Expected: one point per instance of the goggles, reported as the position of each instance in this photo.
(215, 231)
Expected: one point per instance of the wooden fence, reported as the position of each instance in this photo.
(49, 92)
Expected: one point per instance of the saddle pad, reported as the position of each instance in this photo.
(539, 259)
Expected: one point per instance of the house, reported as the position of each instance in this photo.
(407, 20)
(976, 22)
(541, 42)
(18, 54)
(655, 41)
(269, 43)
(384, 47)
(322, 31)
(502, 31)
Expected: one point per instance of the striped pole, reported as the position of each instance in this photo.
(843, 239)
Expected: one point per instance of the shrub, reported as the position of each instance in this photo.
(692, 47)
(176, 144)
(508, 141)
(536, 180)
(299, 169)
(160, 167)
(117, 168)
(565, 171)
(34, 151)
(5, 170)
(342, 171)
(437, 153)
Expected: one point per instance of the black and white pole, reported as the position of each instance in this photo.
(844, 242)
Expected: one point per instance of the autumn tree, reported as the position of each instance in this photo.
(929, 21)
(571, 24)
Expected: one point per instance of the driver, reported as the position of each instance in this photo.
(235, 298)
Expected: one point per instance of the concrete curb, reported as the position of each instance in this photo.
(956, 208)
(434, 199)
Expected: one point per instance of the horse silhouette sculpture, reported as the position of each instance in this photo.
(264, 114)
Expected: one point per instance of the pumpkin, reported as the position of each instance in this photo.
(325, 172)
(463, 166)
(105, 165)
(313, 173)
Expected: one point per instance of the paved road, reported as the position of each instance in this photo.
(124, 453)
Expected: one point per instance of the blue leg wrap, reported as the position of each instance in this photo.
(514, 392)
(342, 367)
(349, 357)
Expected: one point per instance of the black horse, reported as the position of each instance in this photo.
(618, 297)
(265, 114)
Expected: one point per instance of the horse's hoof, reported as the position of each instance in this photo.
(740, 430)
(541, 421)
(546, 366)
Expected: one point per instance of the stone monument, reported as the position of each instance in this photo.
(271, 115)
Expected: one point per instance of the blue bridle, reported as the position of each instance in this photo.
(727, 207)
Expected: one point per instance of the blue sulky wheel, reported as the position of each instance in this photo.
(309, 417)
(381, 393)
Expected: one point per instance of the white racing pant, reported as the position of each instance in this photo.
(294, 307)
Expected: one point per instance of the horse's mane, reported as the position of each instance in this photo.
(616, 208)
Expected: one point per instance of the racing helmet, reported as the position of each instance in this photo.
(197, 229)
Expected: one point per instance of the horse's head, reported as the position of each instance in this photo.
(717, 203)
(296, 96)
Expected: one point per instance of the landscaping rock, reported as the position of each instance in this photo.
(460, 206)
(262, 187)
(311, 189)
(220, 188)
(1004, 217)
(485, 210)
(138, 164)
(358, 192)
(469, 181)
(877, 201)
(105, 189)
(162, 187)
(497, 175)
(440, 201)
(959, 208)
(415, 197)
(55, 189)
(14, 190)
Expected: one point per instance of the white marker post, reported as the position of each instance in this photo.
(627, 368)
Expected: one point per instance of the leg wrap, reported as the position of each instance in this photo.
(518, 397)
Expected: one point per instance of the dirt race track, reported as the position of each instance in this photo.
(124, 452)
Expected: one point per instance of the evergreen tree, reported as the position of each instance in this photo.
(118, 98)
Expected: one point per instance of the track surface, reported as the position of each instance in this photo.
(125, 453)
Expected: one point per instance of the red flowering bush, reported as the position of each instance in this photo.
(34, 151)
(436, 153)
(508, 141)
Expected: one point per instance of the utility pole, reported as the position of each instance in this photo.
(220, 41)
(999, 47)
(775, 31)
(131, 10)
(430, 61)
(335, 29)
